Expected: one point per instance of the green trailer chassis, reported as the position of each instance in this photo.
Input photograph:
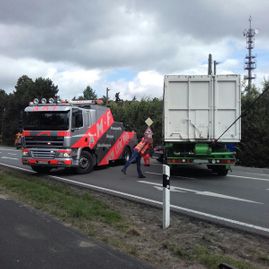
(216, 157)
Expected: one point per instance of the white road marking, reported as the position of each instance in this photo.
(171, 189)
(153, 173)
(205, 193)
(160, 174)
(252, 173)
(9, 158)
(12, 154)
(254, 178)
(182, 209)
(210, 216)
(17, 167)
(17, 150)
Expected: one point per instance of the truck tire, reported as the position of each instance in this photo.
(86, 163)
(41, 169)
(126, 155)
(221, 170)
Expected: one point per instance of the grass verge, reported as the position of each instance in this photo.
(57, 199)
(135, 228)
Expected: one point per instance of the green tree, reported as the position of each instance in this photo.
(89, 93)
(134, 113)
(254, 146)
(25, 91)
(44, 88)
(3, 102)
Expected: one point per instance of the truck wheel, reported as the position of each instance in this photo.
(126, 155)
(86, 163)
(221, 170)
(41, 169)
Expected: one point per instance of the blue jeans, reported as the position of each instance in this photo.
(135, 156)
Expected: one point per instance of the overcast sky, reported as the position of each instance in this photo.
(127, 46)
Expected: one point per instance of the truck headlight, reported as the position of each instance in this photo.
(64, 153)
(25, 153)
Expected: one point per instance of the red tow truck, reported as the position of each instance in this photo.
(73, 134)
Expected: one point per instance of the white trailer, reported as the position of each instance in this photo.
(198, 110)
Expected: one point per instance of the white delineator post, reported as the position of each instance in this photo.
(166, 196)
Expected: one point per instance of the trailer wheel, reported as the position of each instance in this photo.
(221, 170)
(86, 163)
(41, 169)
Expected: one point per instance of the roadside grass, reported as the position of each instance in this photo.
(57, 199)
(204, 256)
(124, 225)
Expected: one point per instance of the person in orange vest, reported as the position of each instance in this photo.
(18, 140)
(139, 150)
(146, 158)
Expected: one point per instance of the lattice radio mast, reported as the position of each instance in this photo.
(250, 59)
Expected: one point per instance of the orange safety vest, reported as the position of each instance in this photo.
(142, 147)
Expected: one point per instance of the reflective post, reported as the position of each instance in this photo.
(166, 196)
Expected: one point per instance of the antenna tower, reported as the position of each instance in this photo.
(250, 59)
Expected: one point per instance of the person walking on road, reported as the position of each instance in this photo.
(139, 151)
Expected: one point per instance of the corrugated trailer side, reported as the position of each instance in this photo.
(201, 108)
(227, 107)
(197, 112)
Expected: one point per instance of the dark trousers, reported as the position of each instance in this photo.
(135, 156)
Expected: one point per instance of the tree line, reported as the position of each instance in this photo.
(13, 104)
(252, 151)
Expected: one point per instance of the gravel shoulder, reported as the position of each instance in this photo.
(188, 243)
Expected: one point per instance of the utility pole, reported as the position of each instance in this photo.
(210, 64)
(215, 63)
(107, 90)
(215, 67)
(250, 59)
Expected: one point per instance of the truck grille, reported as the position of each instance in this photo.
(43, 154)
(44, 141)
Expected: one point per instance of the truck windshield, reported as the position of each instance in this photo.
(46, 120)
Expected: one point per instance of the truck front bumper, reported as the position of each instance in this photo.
(49, 157)
(44, 162)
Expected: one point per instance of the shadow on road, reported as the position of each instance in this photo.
(197, 172)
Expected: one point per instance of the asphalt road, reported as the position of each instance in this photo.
(239, 200)
(31, 239)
